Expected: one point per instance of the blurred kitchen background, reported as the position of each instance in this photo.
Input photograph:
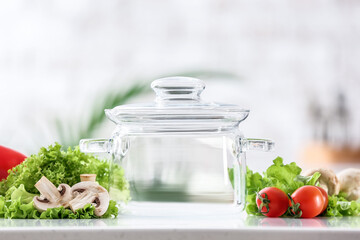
(294, 64)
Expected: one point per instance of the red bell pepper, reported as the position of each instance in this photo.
(9, 159)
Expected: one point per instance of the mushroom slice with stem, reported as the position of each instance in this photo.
(82, 199)
(90, 192)
(350, 183)
(99, 200)
(87, 185)
(42, 204)
(328, 180)
(51, 196)
(101, 203)
(48, 190)
(65, 193)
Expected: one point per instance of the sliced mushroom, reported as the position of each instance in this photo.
(51, 196)
(42, 204)
(66, 194)
(76, 197)
(328, 180)
(90, 192)
(101, 203)
(82, 199)
(91, 186)
(350, 183)
(48, 190)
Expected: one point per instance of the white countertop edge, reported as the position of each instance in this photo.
(180, 229)
(180, 234)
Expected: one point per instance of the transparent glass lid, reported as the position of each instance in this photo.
(178, 107)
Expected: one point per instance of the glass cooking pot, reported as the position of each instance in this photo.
(179, 148)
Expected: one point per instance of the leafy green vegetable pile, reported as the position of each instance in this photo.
(17, 190)
(19, 204)
(287, 178)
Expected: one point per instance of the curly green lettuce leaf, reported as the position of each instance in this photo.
(19, 193)
(254, 183)
(2, 207)
(283, 176)
(65, 167)
(17, 210)
(88, 212)
(119, 187)
(112, 211)
(309, 180)
(338, 206)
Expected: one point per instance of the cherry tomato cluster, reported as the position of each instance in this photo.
(305, 202)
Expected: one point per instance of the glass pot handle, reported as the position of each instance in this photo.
(246, 144)
(100, 145)
(264, 145)
(116, 146)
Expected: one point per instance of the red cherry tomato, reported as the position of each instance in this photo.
(272, 202)
(311, 201)
(326, 198)
(9, 159)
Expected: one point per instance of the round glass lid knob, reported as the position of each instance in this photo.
(178, 88)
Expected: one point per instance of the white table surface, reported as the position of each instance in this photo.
(178, 221)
